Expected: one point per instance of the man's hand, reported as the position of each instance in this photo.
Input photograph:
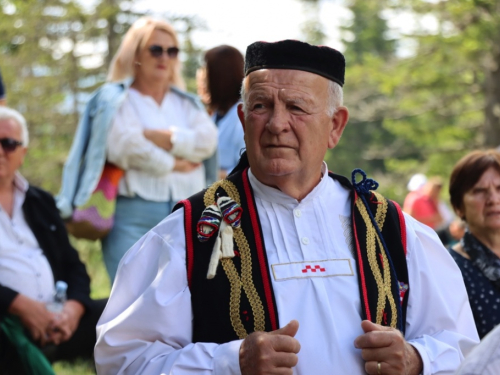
(263, 353)
(34, 316)
(388, 347)
(65, 324)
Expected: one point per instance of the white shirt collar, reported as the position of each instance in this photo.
(271, 194)
(20, 183)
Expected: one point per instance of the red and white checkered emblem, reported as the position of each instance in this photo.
(307, 269)
(316, 268)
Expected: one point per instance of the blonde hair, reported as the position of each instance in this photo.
(122, 65)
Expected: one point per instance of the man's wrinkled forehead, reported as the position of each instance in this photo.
(283, 79)
(295, 55)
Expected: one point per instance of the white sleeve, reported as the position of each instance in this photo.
(439, 322)
(146, 327)
(199, 140)
(129, 149)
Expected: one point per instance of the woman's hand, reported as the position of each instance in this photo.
(183, 165)
(161, 138)
(64, 325)
(34, 316)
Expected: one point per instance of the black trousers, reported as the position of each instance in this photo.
(80, 345)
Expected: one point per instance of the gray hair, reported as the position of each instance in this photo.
(11, 114)
(335, 97)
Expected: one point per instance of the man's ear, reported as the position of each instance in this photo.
(241, 115)
(339, 121)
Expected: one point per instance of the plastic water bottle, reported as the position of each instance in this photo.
(59, 300)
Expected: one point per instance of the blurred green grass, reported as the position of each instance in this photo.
(91, 255)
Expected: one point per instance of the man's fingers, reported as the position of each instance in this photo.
(377, 339)
(288, 360)
(289, 330)
(368, 326)
(282, 343)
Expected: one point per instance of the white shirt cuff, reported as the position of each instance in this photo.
(183, 142)
(426, 363)
(227, 358)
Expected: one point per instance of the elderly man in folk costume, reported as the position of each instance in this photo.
(284, 267)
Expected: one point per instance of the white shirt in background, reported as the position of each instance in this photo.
(148, 168)
(146, 327)
(23, 266)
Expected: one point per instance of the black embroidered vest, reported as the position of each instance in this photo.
(239, 300)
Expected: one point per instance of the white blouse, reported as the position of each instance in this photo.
(23, 265)
(148, 168)
(146, 327)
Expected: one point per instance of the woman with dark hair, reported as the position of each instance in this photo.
(475, 197)
(219, 84)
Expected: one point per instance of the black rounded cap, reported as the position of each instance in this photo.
(293, 54)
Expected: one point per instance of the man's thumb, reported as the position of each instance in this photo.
(289, 330)
(368, 326)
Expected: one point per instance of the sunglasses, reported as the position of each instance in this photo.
(157, 51)
(9, 144)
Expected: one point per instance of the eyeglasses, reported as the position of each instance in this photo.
(9, 144)
(157, 51)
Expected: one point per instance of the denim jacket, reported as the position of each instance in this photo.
(87, 156)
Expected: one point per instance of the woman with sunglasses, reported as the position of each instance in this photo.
(142, 122)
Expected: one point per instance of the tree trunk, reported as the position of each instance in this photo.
(492, 107)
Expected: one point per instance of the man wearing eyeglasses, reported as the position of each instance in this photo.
(35, 253)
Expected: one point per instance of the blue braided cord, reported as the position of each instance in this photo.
(365, 185)
(363, 188)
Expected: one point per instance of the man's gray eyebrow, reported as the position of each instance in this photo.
(258, 96)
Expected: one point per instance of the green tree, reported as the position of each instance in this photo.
(368, 52)
(53, 53)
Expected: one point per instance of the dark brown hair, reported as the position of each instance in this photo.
(224, 66)
(468, 171)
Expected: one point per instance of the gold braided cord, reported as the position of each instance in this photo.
(237, 282)
(372, 240)
(247, 280)
(387, 285)
(371, 252)
(235, 297)
(209, 197)
(380, 220)
(381, 210)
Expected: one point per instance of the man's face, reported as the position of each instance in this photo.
(287, 127)
(10, 161)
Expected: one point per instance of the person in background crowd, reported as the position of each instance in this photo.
(219, 85)
(424, 204)
(3, 100)
(475, 197)
(142, 122)
(456, 230)
(279, 268)
(35, 252)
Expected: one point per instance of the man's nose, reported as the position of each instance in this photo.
(279, 120)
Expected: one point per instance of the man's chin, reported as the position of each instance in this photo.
(279, 168)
